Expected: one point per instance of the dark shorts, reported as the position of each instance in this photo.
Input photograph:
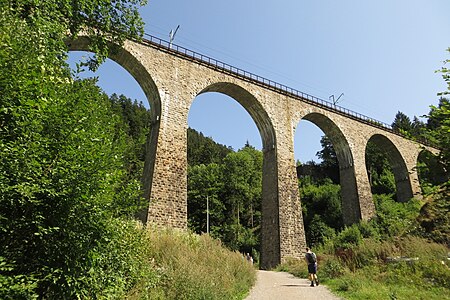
(312, 268)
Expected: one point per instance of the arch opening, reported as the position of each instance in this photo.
(335, 176)
(251, 105)
(386, 169)
(249, 177)
(318, 182)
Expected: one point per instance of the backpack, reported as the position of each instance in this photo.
(311, 258)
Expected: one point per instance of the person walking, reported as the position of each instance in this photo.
(311, 260)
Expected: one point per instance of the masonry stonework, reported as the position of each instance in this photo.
(172, 81)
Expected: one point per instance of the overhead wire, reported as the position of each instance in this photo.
(188, 41)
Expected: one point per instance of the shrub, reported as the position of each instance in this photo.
(319, 231)
(395, 218)
(15, 286)
(434, 218)
(332, 268)
(321, 203)
(349, 237)
(369, 229)
(120, 264)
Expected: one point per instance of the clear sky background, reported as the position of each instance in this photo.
(381, 54)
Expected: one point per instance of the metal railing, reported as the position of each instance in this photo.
(267, 83)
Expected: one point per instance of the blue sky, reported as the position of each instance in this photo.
(381, 54)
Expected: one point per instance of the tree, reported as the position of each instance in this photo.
(205, 183)
(417, 127)
(61, 151)
(237, 193)
(204, 150)
(252, 214)
(379, 170)
(232, 181)
(434, 215)
(431, 171)
(102, 21)
(439, 127)
(322, 209)
(402, 123)
(329, 164)
(327, 154)
(439, 119)
(135, 124)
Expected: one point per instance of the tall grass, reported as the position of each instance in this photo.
(364, 271)
(194, 267)
(385, 258)
(144, 263)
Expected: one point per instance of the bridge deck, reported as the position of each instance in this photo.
(215, 64)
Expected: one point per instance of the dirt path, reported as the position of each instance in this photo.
(280, 285)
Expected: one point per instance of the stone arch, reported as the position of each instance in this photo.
(351, 211)
(398, 165)
(251, 105)
(135, 68)
(270, 221)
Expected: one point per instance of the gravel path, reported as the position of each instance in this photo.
(280, 285)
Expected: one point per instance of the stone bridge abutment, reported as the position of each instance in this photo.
(171, 80)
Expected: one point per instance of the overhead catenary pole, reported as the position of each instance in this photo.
(337, 100)
(172, 36)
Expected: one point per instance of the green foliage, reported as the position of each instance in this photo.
(296, 267)
(15, 286)
(427, 274)
(379, 170)
(431, 172)
(321, 172)
(233, 187)
(311, 172)
(365, 272)
(358, 245)
(322, 212)
(438, 125)
(242, 195)
(203, 150)
(135, 124)
(349, 237)
(102, 21)
(62, 177)
(439, 129)
(112, 267)
(332, 268)
(445, 71)
(329, 163)
(394, 218)
(383, 183)
(319, 231)
(205, 183)
(402, 122)
(434, 217)
(369, 229)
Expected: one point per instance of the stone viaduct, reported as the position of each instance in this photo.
(171, 77)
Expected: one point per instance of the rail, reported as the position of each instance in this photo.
(270, 84)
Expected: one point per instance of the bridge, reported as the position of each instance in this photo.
(172, 76)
